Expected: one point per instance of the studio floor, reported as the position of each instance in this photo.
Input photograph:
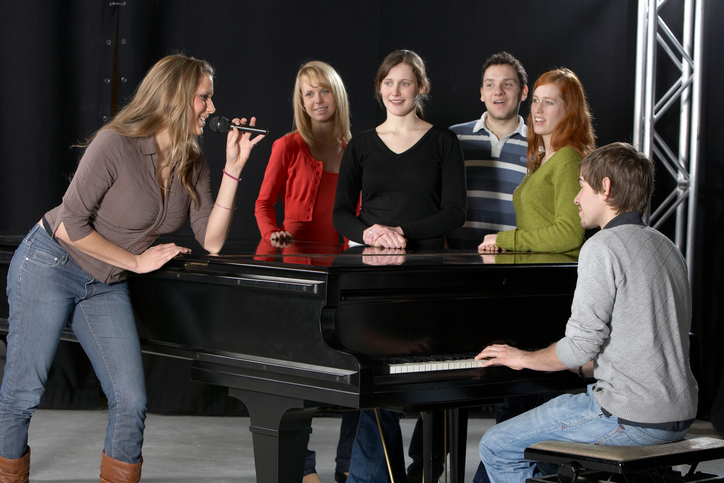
(66, 446)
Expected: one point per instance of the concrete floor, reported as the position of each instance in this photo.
(66, 446)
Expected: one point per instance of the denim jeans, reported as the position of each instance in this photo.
(310, 462)
(347, 433)
(368, 463)
(572, 418)
(46, 290)
(510, 408)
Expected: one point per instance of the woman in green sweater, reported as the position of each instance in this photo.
(559, 136)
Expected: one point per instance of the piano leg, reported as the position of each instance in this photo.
(280, 428)
(433, 430)
(433, 424)
(457, 436)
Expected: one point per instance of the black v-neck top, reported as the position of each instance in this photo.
(422, 190)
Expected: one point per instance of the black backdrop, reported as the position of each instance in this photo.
(66, 64)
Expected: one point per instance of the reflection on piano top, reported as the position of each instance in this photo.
(318, 254)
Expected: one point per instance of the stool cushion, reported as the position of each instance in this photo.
(622, 459)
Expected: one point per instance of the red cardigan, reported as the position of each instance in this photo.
(293, 174)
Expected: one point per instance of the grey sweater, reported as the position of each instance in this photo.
(631, 315)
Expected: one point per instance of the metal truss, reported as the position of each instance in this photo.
(685, 54)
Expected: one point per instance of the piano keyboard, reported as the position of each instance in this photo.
(429, 364)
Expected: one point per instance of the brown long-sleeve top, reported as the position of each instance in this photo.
(115, 192)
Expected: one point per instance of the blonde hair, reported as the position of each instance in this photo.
(164, 100)
(322, 74)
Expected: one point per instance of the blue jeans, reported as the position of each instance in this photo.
(46, 290)
(509, 408)
(368, 463)
(347, 433)
(572, 418)
(310, 462)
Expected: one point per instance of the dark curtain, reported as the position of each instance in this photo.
(67, 65)
(708, 277)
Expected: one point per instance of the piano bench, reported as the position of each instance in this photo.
(580, 462)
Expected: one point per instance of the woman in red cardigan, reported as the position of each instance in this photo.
(304, 164)
(303, 170)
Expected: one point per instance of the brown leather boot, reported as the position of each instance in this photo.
(15, 471)
(114, 471)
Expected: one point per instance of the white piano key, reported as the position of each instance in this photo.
(430, 366)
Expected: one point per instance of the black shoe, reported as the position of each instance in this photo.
(414, 478)
(340, 477)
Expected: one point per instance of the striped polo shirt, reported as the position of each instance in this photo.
(494, 169)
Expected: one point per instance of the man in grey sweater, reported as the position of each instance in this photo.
(628, 329)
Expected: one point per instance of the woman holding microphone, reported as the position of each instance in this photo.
(141, 175)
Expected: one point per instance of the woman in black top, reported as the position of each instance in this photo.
(410, 178)
(411, 174)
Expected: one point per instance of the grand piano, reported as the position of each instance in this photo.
(309, 326)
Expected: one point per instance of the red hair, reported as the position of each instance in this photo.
(574, 129)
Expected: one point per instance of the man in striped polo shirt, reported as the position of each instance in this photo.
(495, 148)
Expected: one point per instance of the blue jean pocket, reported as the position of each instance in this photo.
(648, 436)
(43, 250)
(44, 258)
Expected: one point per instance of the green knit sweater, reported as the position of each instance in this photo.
(546, 218)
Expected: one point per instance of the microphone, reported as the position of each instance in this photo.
(222, 125)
